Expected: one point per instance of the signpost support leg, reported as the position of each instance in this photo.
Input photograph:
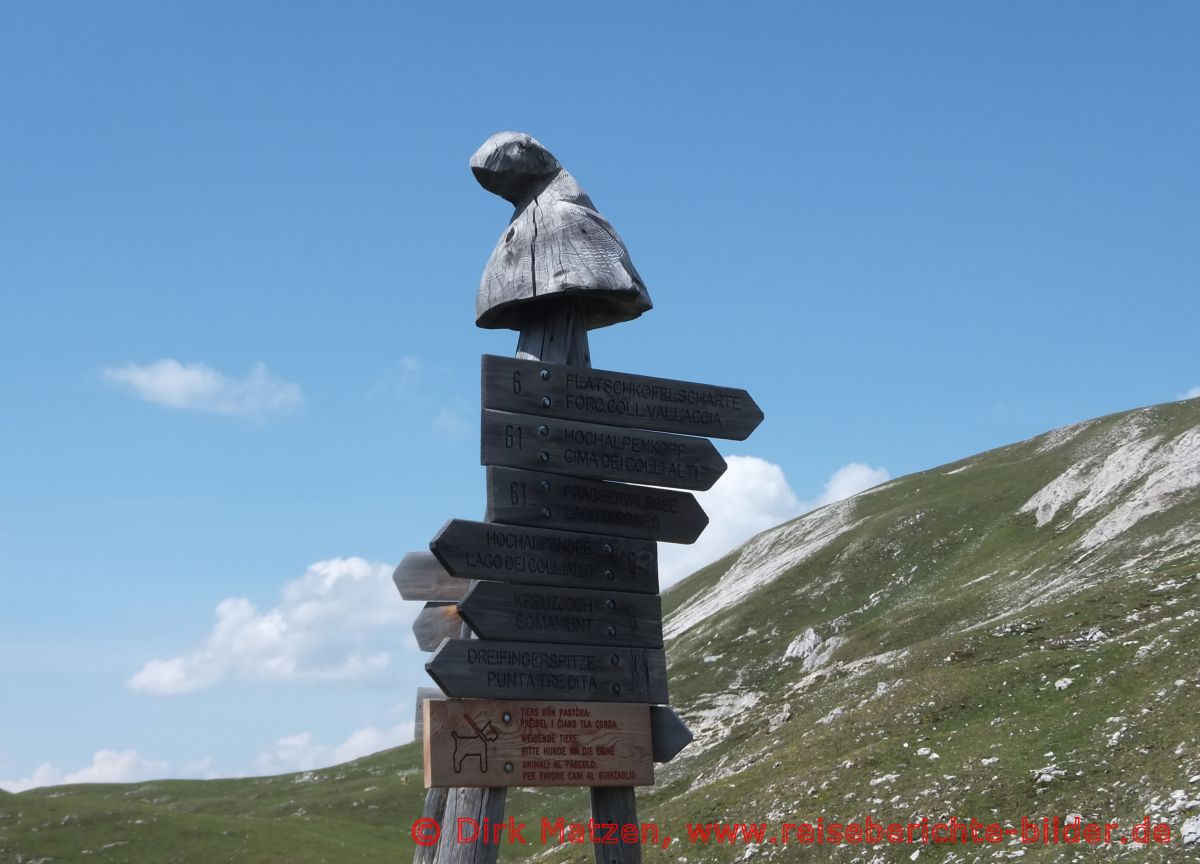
(435, 808)
(616, 806)
(481, 808)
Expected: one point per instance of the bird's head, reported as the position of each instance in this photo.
(511, 164)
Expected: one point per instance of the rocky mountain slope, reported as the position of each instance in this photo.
(1016, 634)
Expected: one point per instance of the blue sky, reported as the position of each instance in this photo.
(239, 247)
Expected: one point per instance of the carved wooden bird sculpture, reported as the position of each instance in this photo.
(556, 245)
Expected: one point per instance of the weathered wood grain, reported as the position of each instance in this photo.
(484, 742)
(616, 807)
(437, 621)
(598, 451)
(553, 501)
(544, 389)
(420, 576)
(555, 332)
(485, 669)
(514, 553)
(524, 613)
(556, 246)
(478, 805)
(435, 809)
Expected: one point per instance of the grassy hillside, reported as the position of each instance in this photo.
(1016, 634)
(347, 813)
(1051, 669)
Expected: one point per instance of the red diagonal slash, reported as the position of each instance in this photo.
(471, 723)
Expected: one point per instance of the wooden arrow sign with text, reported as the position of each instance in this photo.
(599, 452)
(500, 610)
(420, 576)
(471, 668)
(617, 398)
(553, 501)
(513, 553)
(437, 621)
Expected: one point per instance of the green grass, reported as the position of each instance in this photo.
(347, 813)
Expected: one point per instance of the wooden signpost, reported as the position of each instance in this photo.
(484, 742)
(618, 398)
(475, 668)
(566, 684)
(501, 610)
(420, 576)
(508, 553)
(599, 452)
(437, 621)
(554, 501)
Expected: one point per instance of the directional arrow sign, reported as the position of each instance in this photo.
(617, 398)
(472, 668)
(553, 501)
(508, 553)
(420, 576)
(437, 621)
(670, 733)
(499, 610)
(599, 452)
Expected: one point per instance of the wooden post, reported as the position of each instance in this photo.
(435, 808)
(476, 805)
(551, 335)
(558, 269)
(559, 337)
(554, 333)
(616, 806)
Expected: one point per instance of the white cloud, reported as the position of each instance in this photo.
(401, 379)
(301, 752)
(450, 422)
(336, 622)
(1194, 393)
(44, 775)
(108, 766)
(197, 387)
(422, 388)
(112, 766)
(752, 496)
(850, 480)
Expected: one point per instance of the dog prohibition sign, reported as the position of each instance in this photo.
(474, 745)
